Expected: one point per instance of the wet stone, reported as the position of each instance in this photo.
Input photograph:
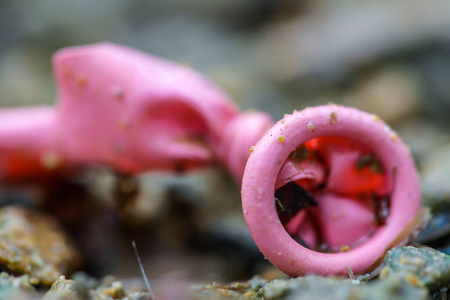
(12, 287)
(87, 289)
(310, 287)
(111, 288)
(33, 243)
(394, 289)
(62, 289)
(418, 266)
(313, 287)
(236, 290)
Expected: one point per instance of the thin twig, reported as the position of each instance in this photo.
(143, 271)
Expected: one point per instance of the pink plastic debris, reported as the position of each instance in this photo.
(346, 164)
(128, 110)
(356, 189)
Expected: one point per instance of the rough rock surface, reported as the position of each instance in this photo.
(16, 287)
(33, 243)
(418, 266)
(312, 287)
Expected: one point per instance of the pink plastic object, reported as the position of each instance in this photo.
(339, 217)
(128, 110)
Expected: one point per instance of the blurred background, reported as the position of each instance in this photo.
(390, 58)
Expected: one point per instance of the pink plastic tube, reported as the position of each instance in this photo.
(133, 112)
(268, 168)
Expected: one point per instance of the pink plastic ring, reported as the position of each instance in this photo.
(264, 165)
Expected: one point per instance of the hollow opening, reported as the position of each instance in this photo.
(332, 194)
(181, 131)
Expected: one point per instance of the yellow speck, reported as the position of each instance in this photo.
(310, 126)
(282, 121)
(286, 115)
(294, 111)
(413, 280)
(279, 253)
(417, 261)
(252, 148)
(403, 260)
(249, 295)
(384, 273)
(394, 136)
(333, 117)
(344, 248)
(81, 80)
(376, 118)
(50, 160)
(281, 139)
